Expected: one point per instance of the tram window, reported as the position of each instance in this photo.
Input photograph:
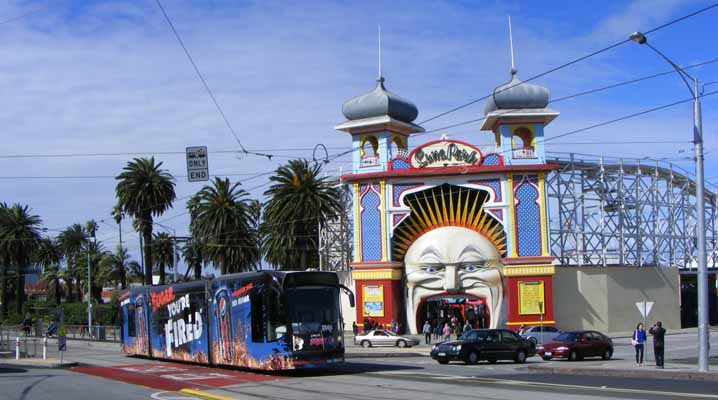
(131, 320)
(276, 318)
(258, 316)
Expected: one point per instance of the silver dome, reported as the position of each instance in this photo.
(517, 95)
(380, 102)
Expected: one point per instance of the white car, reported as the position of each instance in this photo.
(539, 334)
(383, 337)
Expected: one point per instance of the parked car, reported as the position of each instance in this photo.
(383, 337)
(539, 334)
(577, 345)
(484, 344)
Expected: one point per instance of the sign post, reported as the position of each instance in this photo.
(540, 304)
(197, 164)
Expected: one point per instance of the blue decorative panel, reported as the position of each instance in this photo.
(493, 184)
(399, 163)
(492, 159)
(528, 222)
(398, 189)
(371, 225)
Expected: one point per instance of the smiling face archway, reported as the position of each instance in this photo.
(456, 262)
(451, 251)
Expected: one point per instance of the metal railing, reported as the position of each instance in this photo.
(101, 333)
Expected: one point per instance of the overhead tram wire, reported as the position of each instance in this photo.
(571, 96)
(567, 64)
(206, 86)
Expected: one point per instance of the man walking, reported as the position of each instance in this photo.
(659, 334)
(427, 332)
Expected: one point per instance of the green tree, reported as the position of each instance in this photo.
(145, 190)
(19, 238)
(117, 266)
(162, 254)
(5, 265)
(299, 200)
(222, 217)
(97, 253)
(48, 256)
(118, 216)
(193, 255)
(72, 240)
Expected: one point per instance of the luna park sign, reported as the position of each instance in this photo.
(445, 153)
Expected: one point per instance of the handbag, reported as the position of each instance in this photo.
(634, 342)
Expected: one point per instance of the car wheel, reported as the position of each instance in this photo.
(365, 344)
(401, 343)
(442, 362)
(573, 356)
(533, 340)
(472, 358)
(607, 354)
(546, 358)
(521, 357)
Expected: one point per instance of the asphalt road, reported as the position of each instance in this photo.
(415, 378)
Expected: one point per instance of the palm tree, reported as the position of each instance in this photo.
(48, 257)
(116, 266)
(52, 275)
(222, 217)
(96, 253)
(298, 201)
(4, 264)
(72, 240)
(162, 252)
(193, 254)
(19, 238)
(118, 216)
(143, 191)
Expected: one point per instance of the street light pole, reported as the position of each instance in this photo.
(702, 275)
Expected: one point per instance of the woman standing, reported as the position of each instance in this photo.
(447, 332)
(638, 340)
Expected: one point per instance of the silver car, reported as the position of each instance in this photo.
(383, 337)
(539, 334)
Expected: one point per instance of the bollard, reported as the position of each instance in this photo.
(17, 348)
(44, 348)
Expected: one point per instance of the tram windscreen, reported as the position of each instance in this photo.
(315, 317)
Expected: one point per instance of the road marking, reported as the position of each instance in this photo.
(206, 395)
(170, 396)
(602, 388)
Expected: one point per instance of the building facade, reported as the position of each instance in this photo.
(444, 230)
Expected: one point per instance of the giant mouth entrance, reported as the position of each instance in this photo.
(442, 308)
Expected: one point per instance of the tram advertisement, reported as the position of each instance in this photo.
(178, 321)
(241, 328)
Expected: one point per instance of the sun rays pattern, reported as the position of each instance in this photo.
(446, 205)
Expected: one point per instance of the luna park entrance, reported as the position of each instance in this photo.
(454, 308)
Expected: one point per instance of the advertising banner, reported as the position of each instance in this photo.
(530, 295)
(178, 322)
(373, 300)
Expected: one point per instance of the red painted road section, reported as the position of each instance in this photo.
(173, 377)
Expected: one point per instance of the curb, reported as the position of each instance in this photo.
(627, 373)
(383, 355)
(40, 366)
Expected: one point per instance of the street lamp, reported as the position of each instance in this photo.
(702, 277)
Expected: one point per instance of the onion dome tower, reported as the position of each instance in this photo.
(517, 113)
(380, 123)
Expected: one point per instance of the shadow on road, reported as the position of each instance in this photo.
(11, 370)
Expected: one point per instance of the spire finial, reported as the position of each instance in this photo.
(511, 44)
(381, 76)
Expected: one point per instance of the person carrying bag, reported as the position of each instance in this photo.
(638, 341)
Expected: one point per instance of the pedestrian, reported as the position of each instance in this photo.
(447, 332)
(427, 332)
(366, 326)
(437, 331)
(467, 326)
(355, 328)
(398, 328)
(638, 340)
(27, 323)
(392, 325)
(659, 334)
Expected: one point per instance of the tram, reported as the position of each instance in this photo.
(264, 320)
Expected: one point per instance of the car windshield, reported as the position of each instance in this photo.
(566, 337)
(390, 333)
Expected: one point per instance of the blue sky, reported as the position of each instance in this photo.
(108, 76)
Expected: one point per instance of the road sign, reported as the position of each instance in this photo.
(197, 164)
(644, 307)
